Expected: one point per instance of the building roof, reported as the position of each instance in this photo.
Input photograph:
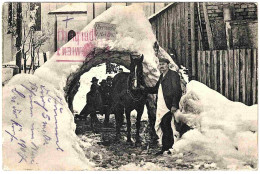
(160, 11)
(72, 8)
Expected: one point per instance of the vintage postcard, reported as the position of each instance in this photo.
(130, 86)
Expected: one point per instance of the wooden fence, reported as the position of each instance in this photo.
(233, 73)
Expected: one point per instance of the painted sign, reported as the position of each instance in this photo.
(105, 31)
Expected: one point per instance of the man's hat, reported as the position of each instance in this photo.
(94, 79)
(109, 77)
(164, 60)
(103, 81)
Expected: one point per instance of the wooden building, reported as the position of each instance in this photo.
(216, 42)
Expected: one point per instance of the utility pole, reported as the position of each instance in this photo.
(18, 38)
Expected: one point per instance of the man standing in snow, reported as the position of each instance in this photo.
(169, 92)
(108, 98)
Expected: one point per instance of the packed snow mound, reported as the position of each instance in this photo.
(223, 130)
(148, 166)
(133, 35)
(38, 128)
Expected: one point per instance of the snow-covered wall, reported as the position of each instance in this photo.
(38, 127)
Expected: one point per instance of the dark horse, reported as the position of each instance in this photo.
(127, 96)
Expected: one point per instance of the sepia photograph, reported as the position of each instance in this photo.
(130, 86)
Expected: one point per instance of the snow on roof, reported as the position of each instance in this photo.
(71, 8)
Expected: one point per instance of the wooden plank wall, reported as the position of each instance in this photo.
(175, 31)
(96, 8)
(233, 73)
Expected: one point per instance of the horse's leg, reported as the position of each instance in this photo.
(106, 121)
(127, 113)
(140, 111)
(119, 111)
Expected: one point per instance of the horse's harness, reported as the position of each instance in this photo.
(130, 94)
(128, 91)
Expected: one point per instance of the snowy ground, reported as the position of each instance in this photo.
(101, 149)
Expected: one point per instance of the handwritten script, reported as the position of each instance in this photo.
(34, 121)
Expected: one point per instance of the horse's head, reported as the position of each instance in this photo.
(136, 71)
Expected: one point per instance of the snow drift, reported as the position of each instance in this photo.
(38, 127)
(223, 131)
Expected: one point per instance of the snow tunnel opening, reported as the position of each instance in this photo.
(93, 60)
(99, 58)
(103, 72)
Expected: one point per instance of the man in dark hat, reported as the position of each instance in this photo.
(169, 92)
(108, 91)
(103, 82)
(94, 81)
(103, 91)
(109, 80)
(94, 102)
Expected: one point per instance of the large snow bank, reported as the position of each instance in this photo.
(224, 131)
(30, 139)
(38, 128)
(142, 166)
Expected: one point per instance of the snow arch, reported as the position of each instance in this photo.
(36, 119)
(120, 58)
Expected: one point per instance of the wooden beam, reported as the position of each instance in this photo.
(254, 78)
(186, 34)
(200, 29)
(193, 46)
(221, 67)
(208, 28)
(18, 38)
(55, 34)
(242, 76)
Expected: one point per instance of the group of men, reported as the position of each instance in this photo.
(99, 99)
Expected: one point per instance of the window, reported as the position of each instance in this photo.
(71, 34)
